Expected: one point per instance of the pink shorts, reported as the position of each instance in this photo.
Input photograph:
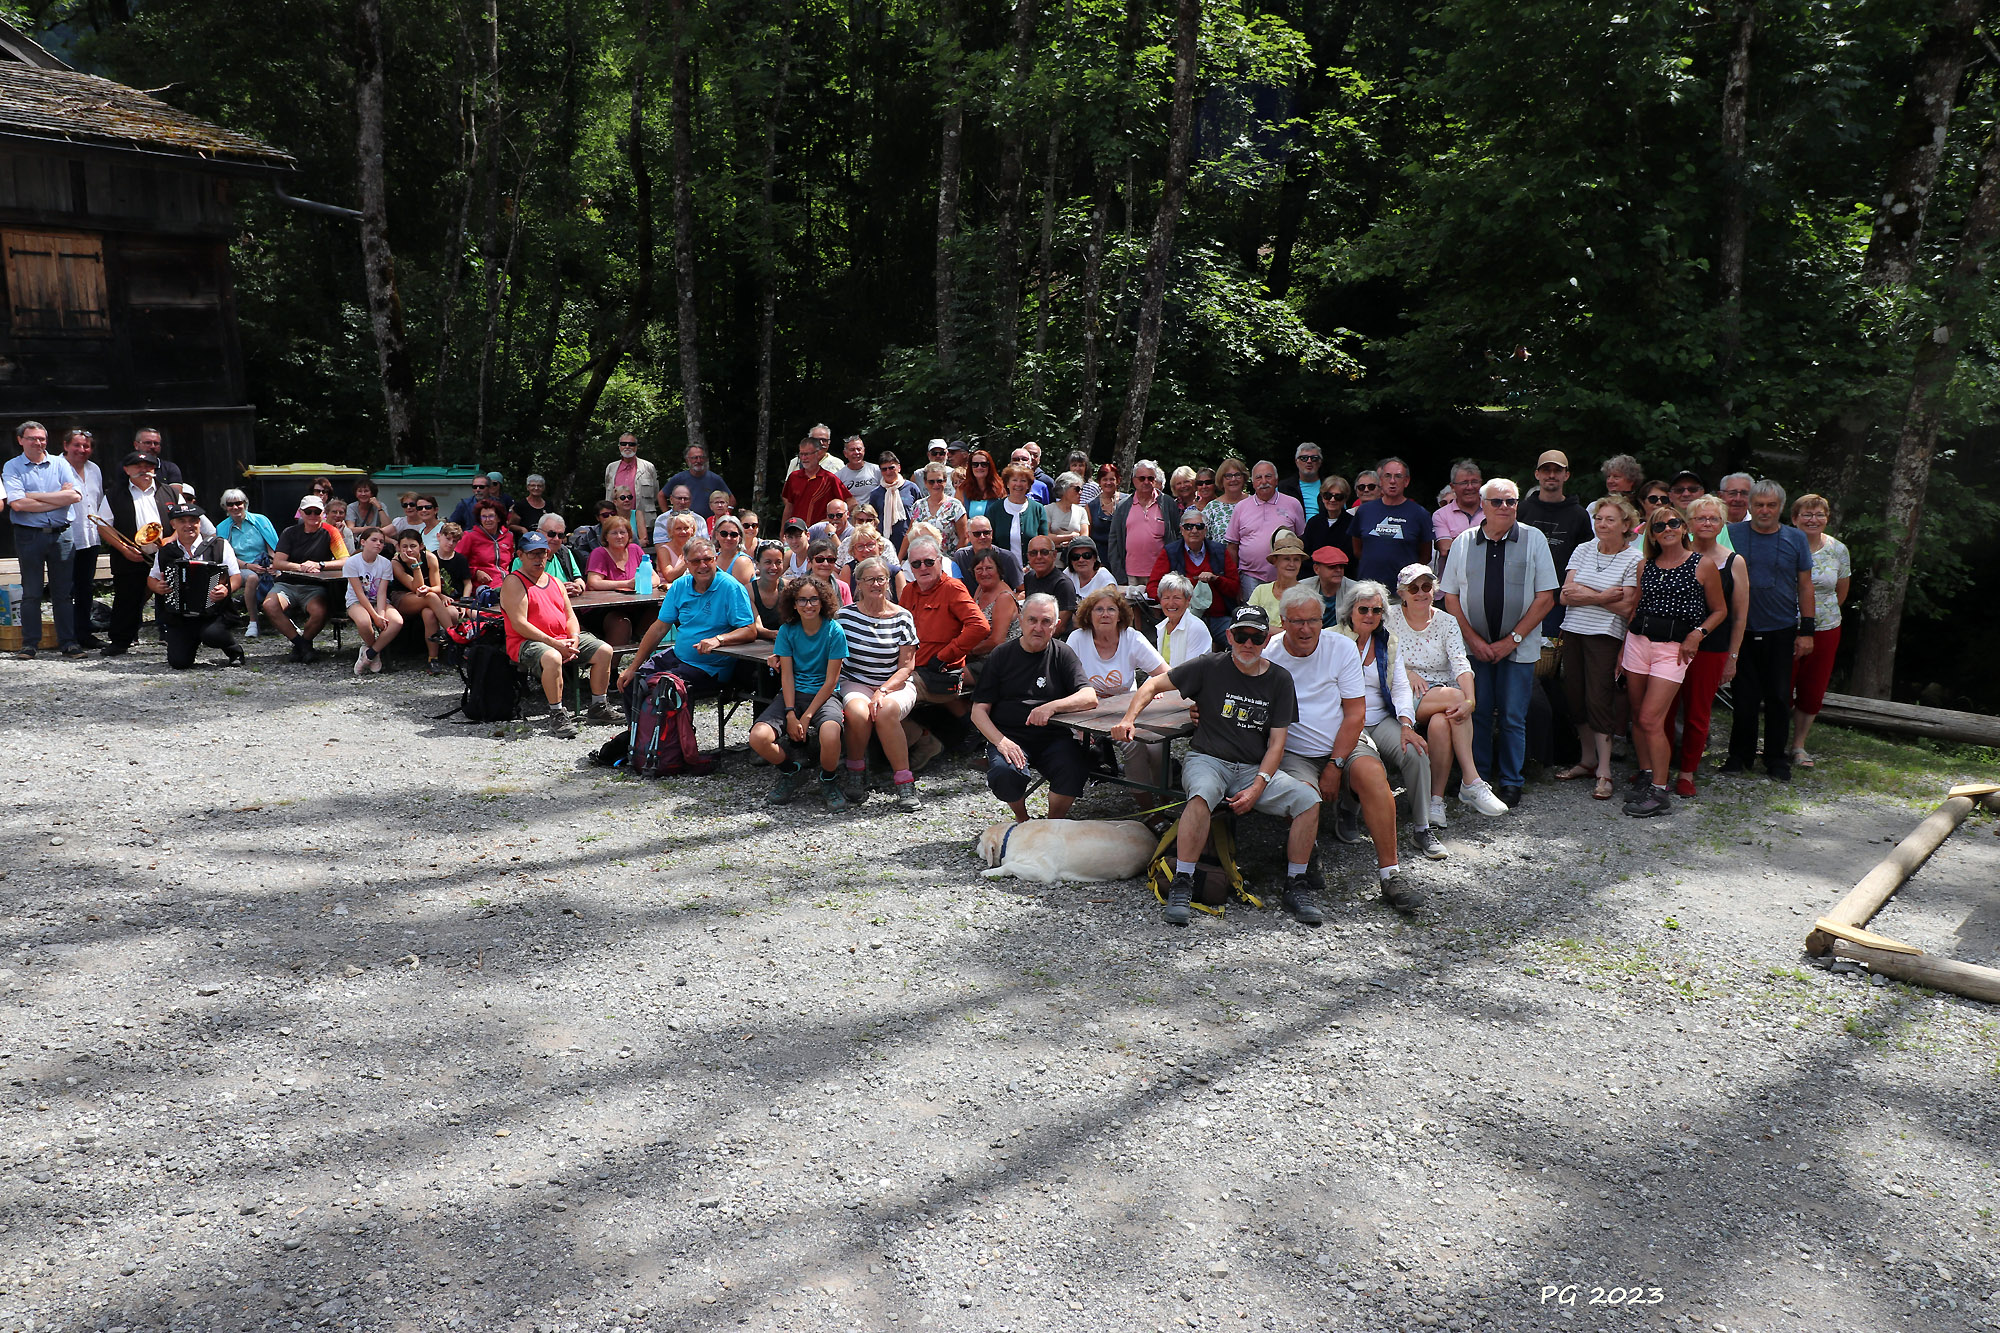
(1644, 657)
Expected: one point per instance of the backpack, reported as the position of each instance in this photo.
(660, 738)
(1215, 879)
(492, 685)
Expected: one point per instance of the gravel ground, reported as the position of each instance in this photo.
(320, 1013)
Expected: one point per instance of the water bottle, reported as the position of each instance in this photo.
(644, 584)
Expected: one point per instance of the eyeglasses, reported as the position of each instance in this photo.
(1367, 611)
(1668, 523)
(1367, 487)
(1245, 634)
(1421, 585)
(805, 601)
(1503, 501)
(1657, 499)
(920, 563)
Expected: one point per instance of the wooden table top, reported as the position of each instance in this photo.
(1164, 719)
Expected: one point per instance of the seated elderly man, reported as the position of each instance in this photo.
(192, 618)
(980, 529)
(1046, 576)
(564, 563)
(1330, 745)
(949, 625)
(543, 637)
(712, 611)
(1245, 706)
(1026, 684)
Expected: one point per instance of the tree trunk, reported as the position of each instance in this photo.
(1046, 257)
(767, 258)
(1910, 470)
(1180, 138)
(489, 242)
(448, 307)
(1006, 279)
(1315, 90)
(949, 152)
(1735, 238)
(378, 261)
(1093, 314)
(1920, 134)
(689, 338)
(607, 358)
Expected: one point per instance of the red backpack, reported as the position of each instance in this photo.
(660, 738)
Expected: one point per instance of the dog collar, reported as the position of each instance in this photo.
(1005, 838)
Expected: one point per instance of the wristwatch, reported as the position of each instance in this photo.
(1516, 637)
(1339, 761)
(1266, 776)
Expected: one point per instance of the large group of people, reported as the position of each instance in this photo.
(1335, 640)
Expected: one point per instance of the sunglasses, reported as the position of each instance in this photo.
(1367, 487)
(1668, 523)
(920, 563)
(1335, 496)
(409, 504)
(235, 504)
(1657, 499)
(1081, 556)
(1194, 527)
(432, 508)
(1421, 585)
(1505, 501)
(1247, 635)
(1367, 611)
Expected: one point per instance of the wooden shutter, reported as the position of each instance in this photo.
(55, 282)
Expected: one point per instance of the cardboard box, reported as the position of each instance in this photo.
(10, 604)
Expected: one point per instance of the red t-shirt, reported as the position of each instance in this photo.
(548, 611)
(809, 495)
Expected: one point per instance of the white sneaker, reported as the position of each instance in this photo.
(1437, 813)
(1483, 799)
(250, 630)
(375, 663)
(360, 661)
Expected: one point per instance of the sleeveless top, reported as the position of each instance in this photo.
(548, 611)
(1718, 642)
(1673, 593)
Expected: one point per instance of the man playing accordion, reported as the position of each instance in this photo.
(195, 578)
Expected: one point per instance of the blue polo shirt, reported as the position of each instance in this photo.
(1776, 559)
(23, 478)
(700, 615)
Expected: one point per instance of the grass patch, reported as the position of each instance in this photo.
(1851, 762)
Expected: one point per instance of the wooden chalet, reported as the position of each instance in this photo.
(115, 223)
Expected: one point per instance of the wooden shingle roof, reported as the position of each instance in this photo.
(65, 106)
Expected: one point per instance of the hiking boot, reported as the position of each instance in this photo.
(829, 792)
(236, 657)
(926, 748)
(1426, 841)
(1299, 901)
(601, 710)
(787, 786)
(561, 725)
(308, 654)
(1400, 894)
(1650, 805)
(854, 785)
(298, 650)
(1180, 894)
(906, 798)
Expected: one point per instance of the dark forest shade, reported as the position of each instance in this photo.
(115, 224)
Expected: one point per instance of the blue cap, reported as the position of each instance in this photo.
(530, 541)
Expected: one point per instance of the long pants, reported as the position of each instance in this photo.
(83, 587)
(45, 559)
(1500, 721)
(185, 636)
(128, 599)
(1406, 766)
(1764, 684)
(1695, 706)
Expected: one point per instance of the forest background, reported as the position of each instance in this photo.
(1710, 236)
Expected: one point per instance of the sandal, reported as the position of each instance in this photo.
(1575, 771)
(1604, 789)
(1800, 759)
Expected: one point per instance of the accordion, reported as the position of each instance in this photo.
(191, 585)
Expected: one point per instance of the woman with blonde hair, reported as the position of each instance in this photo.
(1832, 576)
(1680, 606)
(1232, 486)
(1600, 590)
(1715, 665)
(1432, 648)
(939, 508)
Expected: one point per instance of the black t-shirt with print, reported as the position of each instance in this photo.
(1237, 711)
(1014, 681)
(299, 546)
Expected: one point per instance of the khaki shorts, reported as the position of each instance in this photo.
(907, 696)
(1307, 768)
(587, 645)
(1216, 780)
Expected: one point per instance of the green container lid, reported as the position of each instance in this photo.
(401, 473)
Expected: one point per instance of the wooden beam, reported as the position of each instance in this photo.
(1943, 724)
(1967, 979)
(1865, 899)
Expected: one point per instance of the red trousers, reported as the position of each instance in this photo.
(1812, 673)
(1696, 705)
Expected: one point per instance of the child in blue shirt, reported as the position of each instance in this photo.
(809, 652)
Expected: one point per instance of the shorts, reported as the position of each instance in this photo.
(1216, 780)
(1649, 657)
(531, 653)
(830, 711)
(292, 595)
(906, 696)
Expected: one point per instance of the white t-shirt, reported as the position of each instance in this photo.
(1101, 579)
(1122, 671)
(1014, 529)
(372, 573)
(1322, 681)
(1600, 573)
(861, 480)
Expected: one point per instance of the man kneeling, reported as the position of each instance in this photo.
(1025, 684)
(544, 637)
(1244, 705)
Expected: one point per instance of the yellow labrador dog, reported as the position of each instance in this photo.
(1047, 850)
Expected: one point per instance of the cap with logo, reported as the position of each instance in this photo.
(1250, 617)
(529, 542)
(184, 511)
(139, 459)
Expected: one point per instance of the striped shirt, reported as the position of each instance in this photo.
(875, 643)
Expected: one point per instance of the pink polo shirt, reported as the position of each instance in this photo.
(1251, 524)
(1145, 537)
(1449, 521)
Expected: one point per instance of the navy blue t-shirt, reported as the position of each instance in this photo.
(1390, 537)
